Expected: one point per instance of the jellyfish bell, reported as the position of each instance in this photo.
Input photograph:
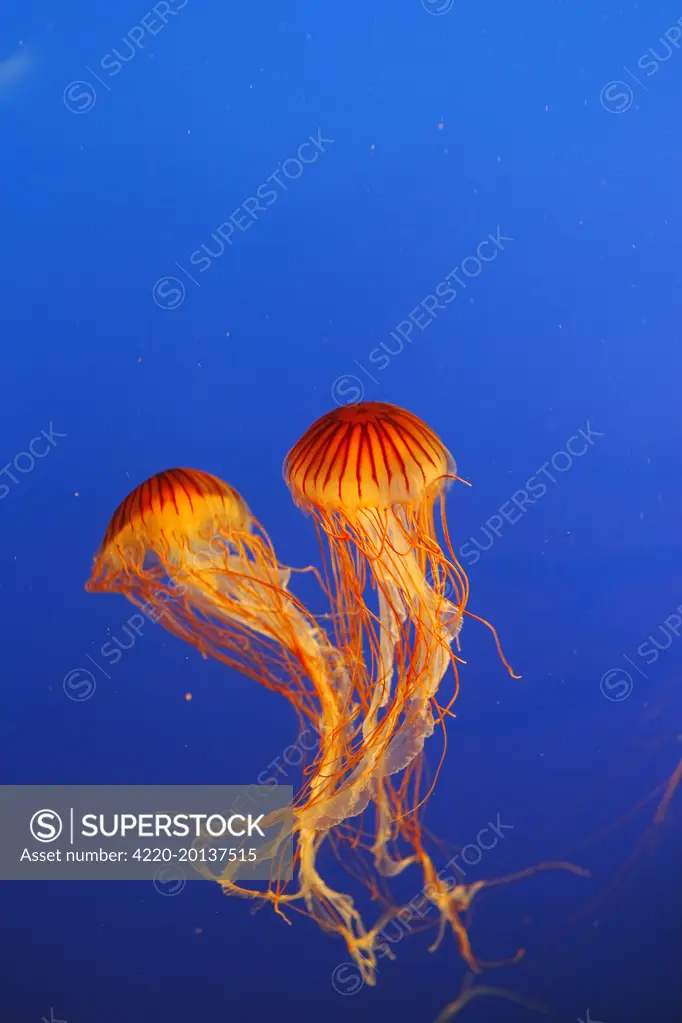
(171, 518)
(366, 456)
(372, 473)
(175, 534)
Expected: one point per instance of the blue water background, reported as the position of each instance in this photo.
(442, 129)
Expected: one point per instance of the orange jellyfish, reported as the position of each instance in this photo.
(371, 475)
(185, 547)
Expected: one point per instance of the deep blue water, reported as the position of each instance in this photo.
(437, 126)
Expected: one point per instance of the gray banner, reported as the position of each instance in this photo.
(146, 832)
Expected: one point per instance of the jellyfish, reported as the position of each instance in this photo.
(371, 475)
(185, 547)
